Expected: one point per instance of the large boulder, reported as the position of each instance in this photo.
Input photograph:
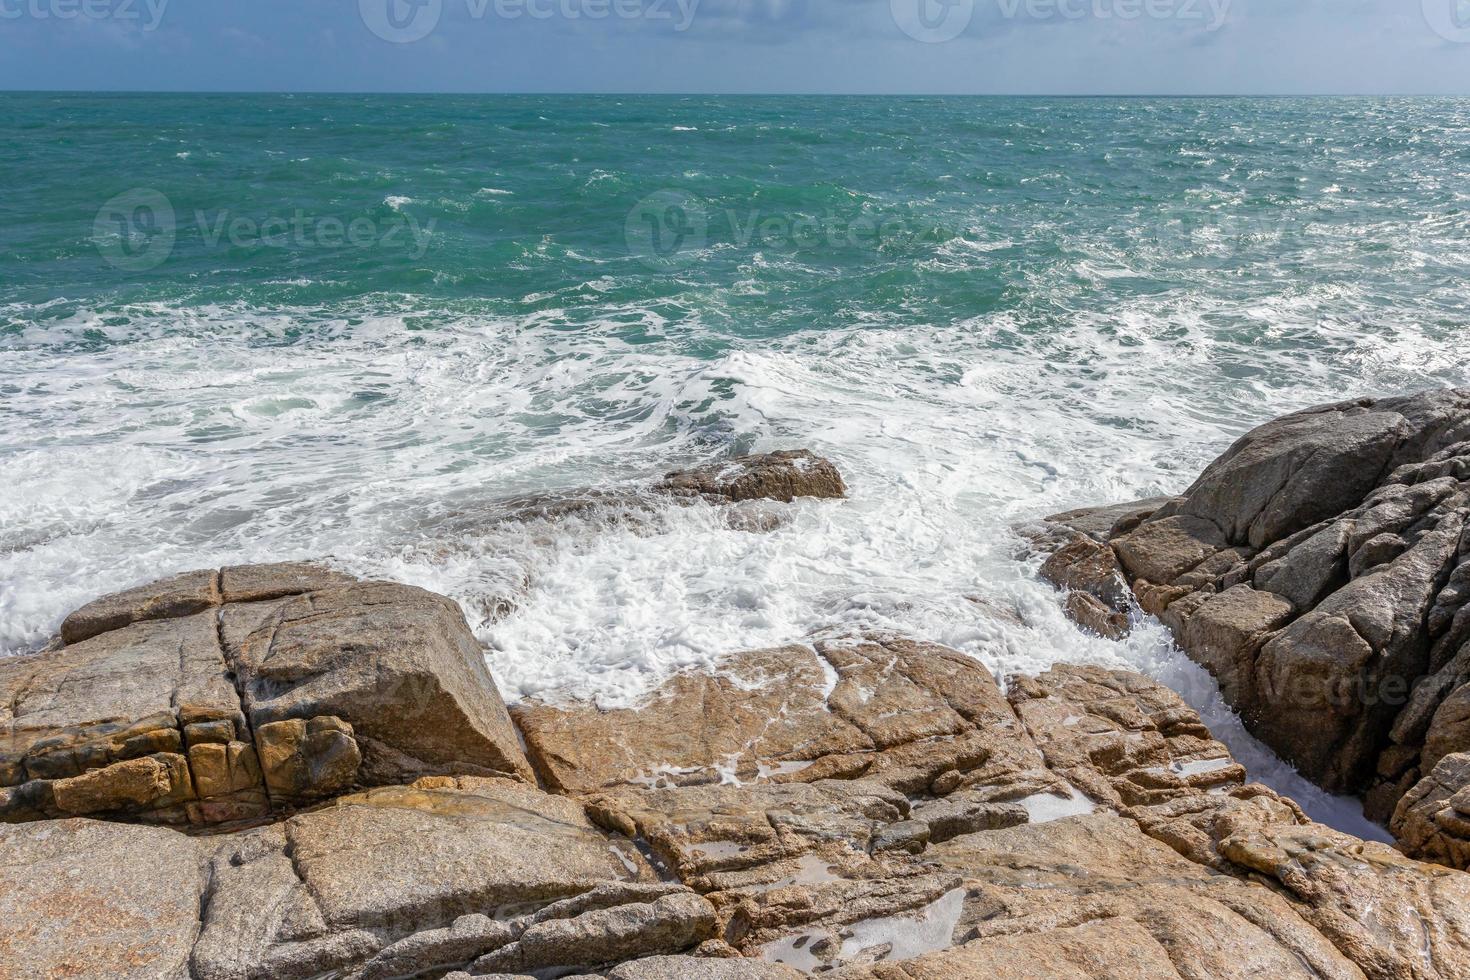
(221, 696)
(1320, 569)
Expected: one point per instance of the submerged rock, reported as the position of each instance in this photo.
(1320, 569)
(782, 476)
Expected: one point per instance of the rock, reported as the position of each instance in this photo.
(908, 836)
(1225, 633)
(90, 899)
(1105, 523)
(432, 875)
(165, 713)
(1164, 549)
(397, 664)
(1433, 818)
(866, 807)
(117, 701)
(1320, 569)
(1098, 598)
(782, 476)
(670, 924)
(1096, 618)
(1093, 949)
(895, 710)
(689, 968)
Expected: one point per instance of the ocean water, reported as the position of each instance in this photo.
(254, 328)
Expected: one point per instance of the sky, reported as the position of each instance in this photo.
(1068, 47)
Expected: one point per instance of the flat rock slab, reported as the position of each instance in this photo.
(350, 885)
(88, 899)
(794, 713)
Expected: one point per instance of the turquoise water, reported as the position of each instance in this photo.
(266, 327)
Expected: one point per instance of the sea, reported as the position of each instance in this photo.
(252, 328)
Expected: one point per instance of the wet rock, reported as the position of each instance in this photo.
(1096, 618)
(1105, 523)
(782, 476)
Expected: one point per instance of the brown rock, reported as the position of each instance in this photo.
(780, 476)
(1432, 821)
(90, 899)
(1096, 618)
(397, 664)
(213, 716)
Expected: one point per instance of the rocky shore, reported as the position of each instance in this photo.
(1320, 570)
(284, 772)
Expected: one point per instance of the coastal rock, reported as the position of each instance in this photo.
(866, 807)
(782, 476)
(90, 899)
(265, 698)
(896, 816)
(1320, 569)
(406, 879)
(1433, 818)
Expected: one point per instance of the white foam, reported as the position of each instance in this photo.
(185, 437)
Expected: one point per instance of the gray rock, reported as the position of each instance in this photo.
(1357, 516)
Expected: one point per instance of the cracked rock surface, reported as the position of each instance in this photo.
(281, 773)
(215, 697)
(1320, 569)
